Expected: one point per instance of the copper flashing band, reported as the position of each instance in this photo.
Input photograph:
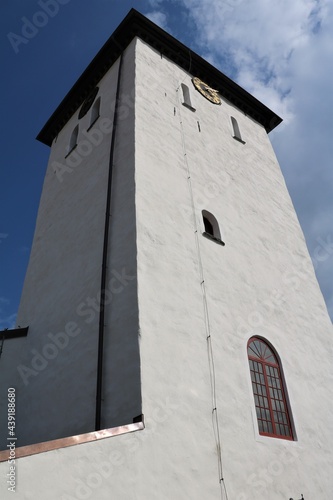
(34, 449)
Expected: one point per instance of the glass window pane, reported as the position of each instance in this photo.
(269, 397)
(287, 430)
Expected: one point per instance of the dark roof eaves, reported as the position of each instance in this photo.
(135, 24)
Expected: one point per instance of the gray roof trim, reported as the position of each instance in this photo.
(137, 25)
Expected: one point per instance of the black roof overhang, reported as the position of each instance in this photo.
(137, 25)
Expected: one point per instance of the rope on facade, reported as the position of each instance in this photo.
(210, 350)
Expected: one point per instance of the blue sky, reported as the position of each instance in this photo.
(281, 52)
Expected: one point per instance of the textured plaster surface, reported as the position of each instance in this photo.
(261, 283)
(56, 384)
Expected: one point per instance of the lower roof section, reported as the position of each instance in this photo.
(34, 449)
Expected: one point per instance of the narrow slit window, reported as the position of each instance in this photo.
(208, 226)
(211, 226)
(73, 139)
(236, 131)
(187, 97)
(273, 413)
(95, 111)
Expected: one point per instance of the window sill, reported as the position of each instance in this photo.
(188, 106)
(238, 139)
(213, 238)
(93, 123)
(276, 436)
(69, 152)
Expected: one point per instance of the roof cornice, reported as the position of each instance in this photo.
(137, 25)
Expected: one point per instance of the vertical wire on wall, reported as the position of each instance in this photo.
(215, 421)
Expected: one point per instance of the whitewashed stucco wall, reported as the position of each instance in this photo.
(261, 283)
(56, 386)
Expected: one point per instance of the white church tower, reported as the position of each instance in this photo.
(173, 341)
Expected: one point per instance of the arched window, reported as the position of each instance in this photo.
(236, 131)
(211, 226)
(73, 139)
(95, 111)
(187, 97)
(271, 404)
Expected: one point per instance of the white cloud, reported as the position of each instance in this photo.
(6, 320)
(3, 301)
(155, 3)
(259, 38)
(159, 18)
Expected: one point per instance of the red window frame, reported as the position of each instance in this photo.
(273, 414)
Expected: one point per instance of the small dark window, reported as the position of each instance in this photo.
(187, 97)
(88, 102)
(273, 414)
(211, 226)
(236, 131)
(73, 140)
(95, 111)
(208, 226)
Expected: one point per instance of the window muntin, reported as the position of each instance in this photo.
(268, 391)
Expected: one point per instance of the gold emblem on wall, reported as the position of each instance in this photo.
(207, 91)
